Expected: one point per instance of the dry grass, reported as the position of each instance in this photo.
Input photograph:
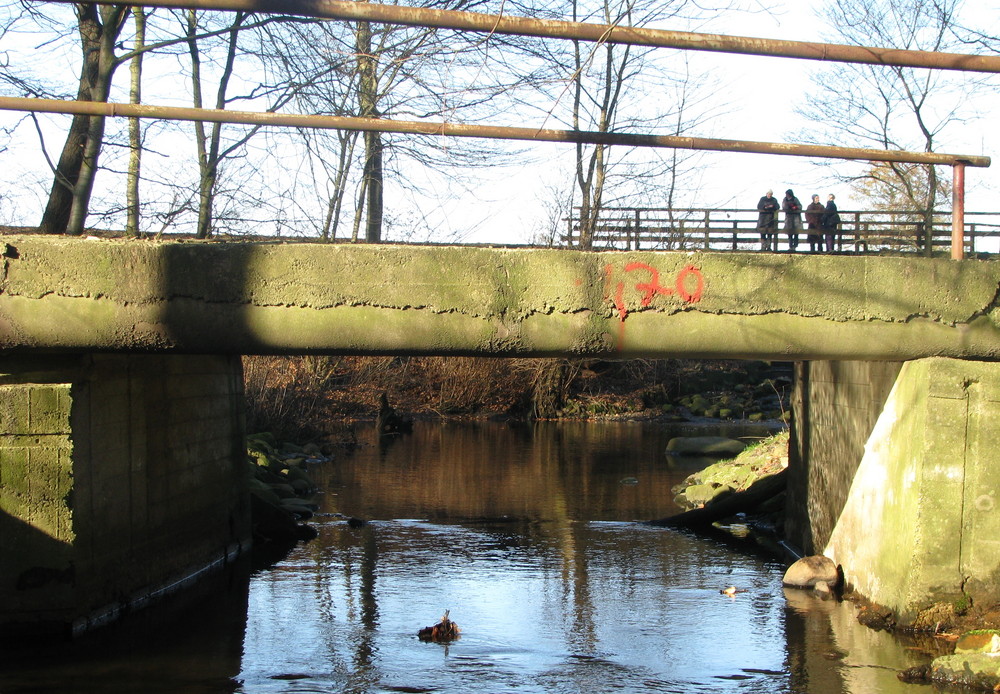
(300, 396)
(304, 397)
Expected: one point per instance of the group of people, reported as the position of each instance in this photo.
(821, 222)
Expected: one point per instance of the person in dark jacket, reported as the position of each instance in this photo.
(767, 221)
(829, 223)
(814, 213)
(793, 219)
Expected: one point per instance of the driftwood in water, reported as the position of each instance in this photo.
(442, 632)
(740, 502)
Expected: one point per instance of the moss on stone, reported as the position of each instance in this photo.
(70, 294)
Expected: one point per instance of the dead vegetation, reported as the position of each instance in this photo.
(302, 397)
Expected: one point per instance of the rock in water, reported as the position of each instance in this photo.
(807, 572)
(983, 641)
(705, 445)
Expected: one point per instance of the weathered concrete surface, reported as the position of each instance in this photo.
(921, 522)
(121, 477)
(62, 294)
(835, 406)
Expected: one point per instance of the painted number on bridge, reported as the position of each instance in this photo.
(687, 285)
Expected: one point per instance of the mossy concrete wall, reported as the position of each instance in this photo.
(920, 522)
(296, 298)
(835, 406)
(120, 477)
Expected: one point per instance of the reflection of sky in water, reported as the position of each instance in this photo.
(625, 604)
(548, 599)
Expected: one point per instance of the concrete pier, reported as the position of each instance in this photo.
(910, 514)
(122, 477)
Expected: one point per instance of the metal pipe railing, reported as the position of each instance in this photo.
(437, 128)
(602, 33)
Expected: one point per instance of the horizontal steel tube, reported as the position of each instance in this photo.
(94, 108)
(640, 36)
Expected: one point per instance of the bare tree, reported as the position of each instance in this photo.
(209, 144)
(134, 127)
(614, 88)
(98, 27)
(890, 107)
(373, 70)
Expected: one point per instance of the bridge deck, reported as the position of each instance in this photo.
(72, 295)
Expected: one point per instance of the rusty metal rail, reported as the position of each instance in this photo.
(602, 33)
(438, 128)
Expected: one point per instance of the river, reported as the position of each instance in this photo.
(528, 536)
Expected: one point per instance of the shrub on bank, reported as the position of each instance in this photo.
(301, 398)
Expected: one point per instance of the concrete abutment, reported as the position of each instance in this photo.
(895, 477)
(122, 477)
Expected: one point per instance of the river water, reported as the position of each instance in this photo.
(527, 536)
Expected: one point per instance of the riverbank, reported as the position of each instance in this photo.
(306, 398)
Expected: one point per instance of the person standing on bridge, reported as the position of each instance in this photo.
(793, 219)
(767, 221)
(814, 213)
(829, 222)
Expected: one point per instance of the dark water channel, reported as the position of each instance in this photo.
(527, 536)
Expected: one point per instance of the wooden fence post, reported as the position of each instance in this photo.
(638, 227)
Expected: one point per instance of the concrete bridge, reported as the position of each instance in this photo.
(121, 366)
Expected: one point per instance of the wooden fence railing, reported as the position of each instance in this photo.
(861, 231)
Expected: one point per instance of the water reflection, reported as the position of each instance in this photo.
(490, 471)
(192, 643)
(526, 535)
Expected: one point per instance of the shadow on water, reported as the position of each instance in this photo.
(189, 642)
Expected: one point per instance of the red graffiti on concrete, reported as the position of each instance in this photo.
(652, 288)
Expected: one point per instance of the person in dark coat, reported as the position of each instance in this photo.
(767, 221)
(793, 219)
(829, 223)
(814, 214)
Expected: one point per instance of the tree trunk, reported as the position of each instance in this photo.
(209, 146)
(932, 184)
(360, 209)
(206, 180)
(134, 128)
(373, 173)
(69, 197)
(549, 393)
(368, 108)
(332, 223)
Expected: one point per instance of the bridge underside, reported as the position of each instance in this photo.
(73, 295)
